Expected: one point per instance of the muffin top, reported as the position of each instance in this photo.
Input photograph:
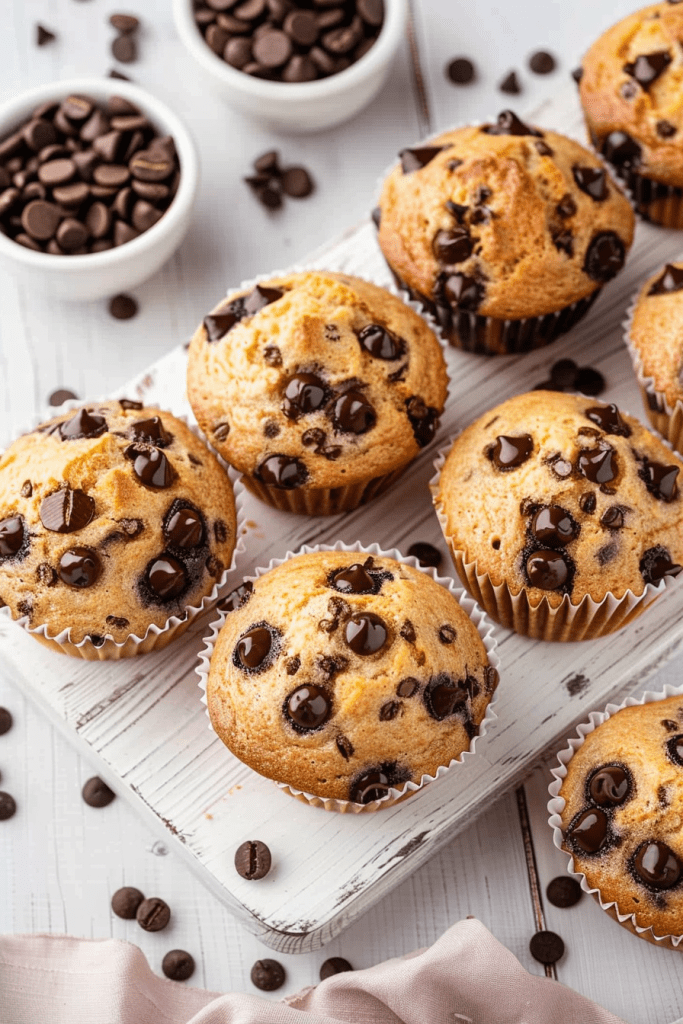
(560, 495)
(343, 675)
(657, 331)
(112, 517)
(503, 220)
(316, 380)
(623, 812)
(632, 92)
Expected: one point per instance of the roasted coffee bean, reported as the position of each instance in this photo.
(8, 806)
(510, 84)
(426, 554)
(542, 63)
(178, 965)
(252, 860)
(12, 536)
(5, 721)
(123, 307)
(657, 865)
(589, 831)
(335, 965)
(166, 577)
(268, 975)
(97, 793)
(65, 511)
(460, 71)
(153, 914)
(308, 707)
(365, 633)
(546, 947)
(125, 49)
(563, 891)
(125, 902)
(609, 786)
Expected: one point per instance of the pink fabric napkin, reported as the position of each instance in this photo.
(466, 977)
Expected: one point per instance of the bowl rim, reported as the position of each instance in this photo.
(390, 35)
(12, 110)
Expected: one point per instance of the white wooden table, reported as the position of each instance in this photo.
(61, 860)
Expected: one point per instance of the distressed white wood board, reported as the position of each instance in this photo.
(143, 725)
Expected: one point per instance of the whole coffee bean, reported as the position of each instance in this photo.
(125, 902)
(564, 891)
(5, 721)
(8, 807)
(297, 182)
(252, 860)
(125, 48)
(153, 914)
(546, 947)
(97, 793)
(335, 965)
(178, 965)
(268, 975)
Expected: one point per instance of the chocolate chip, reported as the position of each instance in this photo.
(365, 633)
(335, 965)
(12, 536)
(5, 721)
(589, 381)
(609, 786)
(44, 36)
(178, 965)
(542, 63)
(665, 129)
(674, 746)
(354, 580)
(8, 806)
(671, 280)
(117, 622)
(509, 453)
(546, 947)
(256, 648)
(84, 423)
(282, 471)
(647, 68)
(416, 159)
(304, 393)
(423, 419)
(587, 503)
(268, 975)
(563, 241)
(547, 570)
(352, 413)
(605, 257)
(345, 747)
(660, 480)
(563, 374)
(408, 687)
(184, 528)
(237, 598)
(252, 860)
(40, 219)
(153, 914)
(554, 526)
(123, 307)
(563, 891)
(657, 865)
(65, 511)
(622, 151)
(577, 74)
(460, 71)
(509, 124)
(125, 902)
(443, 696)
(375, 782)
(166, 577)
(60, 396)
(608, 418)
(97, 793)
(150, 465)
(426, 554)
(452, 246)
(297, 182)
(459, 291)
(510, 84)
(589, 830)
(592, 181)
(656, 563)
(566, 208)
(151, 432)
(79, 567)
(612, 518)
(381, 343)
(308, 707)
(599, 465)
(447, 634)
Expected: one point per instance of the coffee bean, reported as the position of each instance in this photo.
(124, 22)
(564, 891)
(44, 36)
(97, 793)
(8, 806)
(542, 63)
(268, 975)
(125, 902)
(124, 48)
(460, 71)
(546, 947)
(178, 965)
(153, 914)
(335, 965)
(252, 860)
(297, 182)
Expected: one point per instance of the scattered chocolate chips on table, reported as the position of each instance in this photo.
(178, 965)
(270, 182)
(565, 375)
(78, 177)
(252, 860)
(97, 793)
(44, 36)
(60, 396)
(510, 84)
(289, 41)
(125, 902)
(426, 554)
(460, 71)
(268, 975)
(546, 947)
(335, 965)
(542, 63)
(123, 307)
(5, 721)
(564, 891)
(8, 806)
(153, 914)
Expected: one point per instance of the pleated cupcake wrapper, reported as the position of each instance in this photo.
(667, 420)
(485, 628)
(587, 620)
(329, 501)
(489, 335)
(556, 805)
(155, 637)
(652, 200)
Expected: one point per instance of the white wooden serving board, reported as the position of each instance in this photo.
(142, 724)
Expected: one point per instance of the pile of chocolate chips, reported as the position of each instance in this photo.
(290, 41)
(270, 182)
(78, 178)
(565, 375)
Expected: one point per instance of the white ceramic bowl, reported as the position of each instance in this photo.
(102, 274)
(298, 106)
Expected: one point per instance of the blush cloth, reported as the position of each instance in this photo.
(466, 977)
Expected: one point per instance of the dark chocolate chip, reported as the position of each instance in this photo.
(542, 63)
(443, 696)
(566, 208)
(589, 381)
(508, 453)
(657, 865)
(665, 129)
(178, 965)
(407, 631)
(375, 782)
(354, 580)
(577, 74)
(150, 465)
(79, 567)
(671, 280)
(150, 431)
(352, 413)
(612, 518)
(599, 465)
(184, 528)
(60, 396)
(509, 124)
(563, 891)
(605, 256)
(587, 503)
(65, 511)
(447, 634)
(546, 947)
(381, 343)
(674, 747)
(460, 291)
(282, 471)
(656, 563)
(84, 423)
(335, 965)
(8, 806)
(621, 151)
(44, 36)
(547, 570)
(345, 747)
(460, 71)
(408, 687)
(592, 181)
(554, 526)
(12, 536)
(416, 159)
(308, 707)
(304, 393)
(660, 480)
(452, 246)
(647, 68)
(123, 307)
(5, 721)
(510, 84)
(237, 598)
(117, 622)
(272, 49)
(423, 419)
(97, 793)
(221, 431)
(609, 786)
(608, 418)
(268, 975)
(426, 554)
(365, 633)
(255, 648)
(166, 577)
(125, 902)
(589, 831)
(563, 241)
(153, 914)
(252, 860)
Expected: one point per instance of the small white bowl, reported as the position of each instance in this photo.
(101, 274)
(298, 106)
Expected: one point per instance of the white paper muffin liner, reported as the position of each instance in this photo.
(667, 420)
(155, 637)
(485, 628)
(556, 805)
(587, 620)
(330, 501)
(489, 335)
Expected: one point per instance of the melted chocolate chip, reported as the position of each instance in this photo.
(117, 622)
(217, 325)
(459, 291)
(647, 68)
(304, 393)
(543, 149)
(221, 431)
(456, 210)
(79, 567)
(46, 575)
(365, 633)
(665, 129)
(447, 634)
(612, 518)
(509, 124)
(283, 471)
(554, 527)
(415, 159)
(308, 707)
(345, 747)
(26, 489)
(592, 181)
(237, 597)
(657, 865)
(375, 782)
(599, 465)
(256, 647)
(659, 479)
(608, 418)
(355, 580)
(547, 570)
(353, 414)
(381, 343)
(150, 465)
(11, 536)
(622, 151)
(66, 511)
(589, 831)
(150, 431)
(83, 423)
(609, 786)
(587, 503)
(510, 452)
(605, 256)
(671, 280)
(272, 355)
(407, 631)
(560, 466)
(129, 403)
(563, 241)
(452, 246)
(408, 687)
(184, 527)
(423, 419)
(390, 710)
(166, 577)
(426, 554)
(443, 696)
(607, 554)
(566, 206)
(675, 749)
(656, 563)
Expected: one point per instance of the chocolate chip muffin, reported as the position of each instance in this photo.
(319, 387)
(114, 519)
(343, 675)
(621, 822)
(630, 90)
(564, 516)
(654, 336)
(503, 232)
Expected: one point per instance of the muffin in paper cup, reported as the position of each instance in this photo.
(319, 387)
(615, 809)
(118, 527)
(653, 330)
(504, 233)
(539, 501)
(286, 687)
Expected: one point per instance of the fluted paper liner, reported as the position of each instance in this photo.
(484, 627)
(155, 637)
(329, 501)
(556, 805)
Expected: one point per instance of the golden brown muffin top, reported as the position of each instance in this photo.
(112, 517)
(343, 675)
(657, 331)
(504, 220)
(624, 811)
(316, 380)
(632, 83)
(560, 495)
